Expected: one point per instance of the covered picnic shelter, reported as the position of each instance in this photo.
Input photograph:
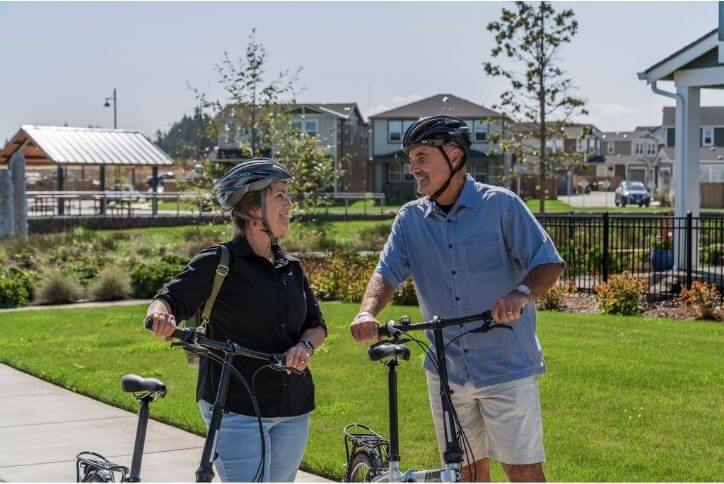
(62, 146)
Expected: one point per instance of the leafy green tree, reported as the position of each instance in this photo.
(540, 96)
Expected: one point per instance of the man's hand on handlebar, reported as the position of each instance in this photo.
(364, 328)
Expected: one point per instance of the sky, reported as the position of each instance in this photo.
(60, 60)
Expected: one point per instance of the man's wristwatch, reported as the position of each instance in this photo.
(308, 345)
(524, 290)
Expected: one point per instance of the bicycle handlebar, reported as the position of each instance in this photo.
(393, 328)
(190, 337)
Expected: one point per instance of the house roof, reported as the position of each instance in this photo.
(44, 145)
(626, 159)
(709, 116)
(439, 104)
(338, 110)
(629, 135)
(664, 69)
(569, 129)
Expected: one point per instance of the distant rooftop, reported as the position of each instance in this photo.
(440, 104)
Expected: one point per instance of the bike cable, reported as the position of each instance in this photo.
(467, 448)
(255, 405)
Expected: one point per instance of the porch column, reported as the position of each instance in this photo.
(686, 170)
(20, 207)
(154, 189)
(686, 152)
(61, 200)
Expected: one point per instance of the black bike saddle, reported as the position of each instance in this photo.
(387, 350)
(135, 383)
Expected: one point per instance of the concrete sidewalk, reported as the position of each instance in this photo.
(43, 427)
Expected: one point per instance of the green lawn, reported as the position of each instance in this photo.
(624, 399)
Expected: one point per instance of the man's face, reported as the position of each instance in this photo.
(429, 167)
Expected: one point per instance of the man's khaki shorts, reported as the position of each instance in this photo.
(501, 421)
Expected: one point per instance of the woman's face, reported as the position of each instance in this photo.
(278, 208)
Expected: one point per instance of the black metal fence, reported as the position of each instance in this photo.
(669, 252)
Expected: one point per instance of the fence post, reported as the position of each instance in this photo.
(605, 247)
(689, 247)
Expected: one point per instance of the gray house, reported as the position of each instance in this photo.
(389, 165)
(338, 127)
(632, 155)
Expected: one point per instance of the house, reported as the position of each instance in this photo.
(389, 164)
(632, 155)
(338, 127)
(710, 153)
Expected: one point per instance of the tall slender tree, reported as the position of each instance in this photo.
(540, 96)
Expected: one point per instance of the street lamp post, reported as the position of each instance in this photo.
(102, 168)
(113, 98)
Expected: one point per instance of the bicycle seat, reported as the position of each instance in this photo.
(387, 350)
(135, 383)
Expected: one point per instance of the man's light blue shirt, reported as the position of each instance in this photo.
(462, 262)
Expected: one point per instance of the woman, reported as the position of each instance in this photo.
(265, 304)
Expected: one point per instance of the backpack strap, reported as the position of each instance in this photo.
(221, 271)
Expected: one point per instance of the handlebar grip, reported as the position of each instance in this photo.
(178, 333)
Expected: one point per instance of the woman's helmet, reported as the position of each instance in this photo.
(253, 175)
(439, 131)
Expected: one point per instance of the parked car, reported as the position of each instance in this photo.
(633, 192)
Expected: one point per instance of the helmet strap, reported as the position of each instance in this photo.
(262, 203)
(445, 185)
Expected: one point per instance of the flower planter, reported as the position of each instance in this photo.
(661, 259)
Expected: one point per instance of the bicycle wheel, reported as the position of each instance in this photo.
(363, 467)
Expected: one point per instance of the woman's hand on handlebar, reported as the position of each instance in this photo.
(164, 324)
(297, 357)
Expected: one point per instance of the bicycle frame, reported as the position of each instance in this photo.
(452, 455)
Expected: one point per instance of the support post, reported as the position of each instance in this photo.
(20, 208)
(7, 216)
(61, 183)
(154, 189)
(605, 247)
(102, 188)
(689, 248)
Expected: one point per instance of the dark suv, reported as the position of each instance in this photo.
(633, 192)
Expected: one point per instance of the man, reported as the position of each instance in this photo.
(471, 247)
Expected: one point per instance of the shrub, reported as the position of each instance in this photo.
(406, 294)
(85, 271)
(713, 254)
(57, 287)
(27, 279)
(340, 276)
(12, 292)
(112, 283)
(552, 300)
(148, 277)
(374, 238)
(594, 260)
(701, 300)
(573, 255)
(624, 294)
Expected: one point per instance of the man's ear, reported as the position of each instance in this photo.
(455, 154)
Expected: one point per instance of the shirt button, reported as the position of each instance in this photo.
(454, 273)
(465, 350)
(449, 221)
(457, 298)
(449, 246)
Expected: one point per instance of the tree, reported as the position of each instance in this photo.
(255, 114)
(539, 98)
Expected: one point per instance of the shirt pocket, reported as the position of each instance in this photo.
(482, 253)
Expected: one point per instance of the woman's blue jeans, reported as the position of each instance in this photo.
(239, 445)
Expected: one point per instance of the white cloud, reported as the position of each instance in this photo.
(612, 108)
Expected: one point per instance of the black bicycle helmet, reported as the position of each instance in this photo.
(253, 175)
(439, 131)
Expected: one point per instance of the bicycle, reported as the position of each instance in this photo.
(371, 457)
(93, 467)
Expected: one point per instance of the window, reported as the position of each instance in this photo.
(394, 173)
(310, 127)
(651, 149)
(554, 145)
(707, 137)
(406, 173)
(639, 147)
(479, 171)
(406, 124)
(296, 125)
(610, 147)
(480, 133)
(394, 131)
(580, 145)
